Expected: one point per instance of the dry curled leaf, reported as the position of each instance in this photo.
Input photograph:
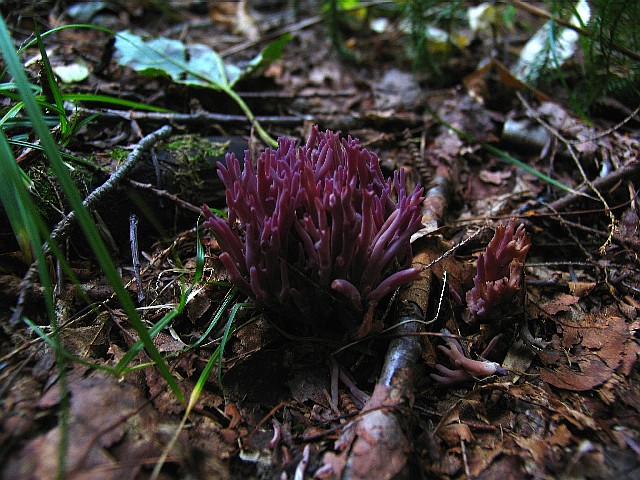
(595, 348)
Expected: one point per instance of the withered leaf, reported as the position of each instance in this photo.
(596, 344)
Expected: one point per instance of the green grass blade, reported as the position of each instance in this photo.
(121, 102)
(228, 331)
(7, 88)
(199, 258)
(84, 219)
(11, 114)
(71, 158)
(52, 84)
(195, 394)
(505, 157)
(30, 231)
(153, 331)
(66, 27)
(57, 347)
(229, 297)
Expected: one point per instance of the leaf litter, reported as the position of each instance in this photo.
(569, 408)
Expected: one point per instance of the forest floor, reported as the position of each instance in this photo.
(569, 406)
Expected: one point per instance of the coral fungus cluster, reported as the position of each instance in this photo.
(493, 299)
(499, 271)
(316, 232)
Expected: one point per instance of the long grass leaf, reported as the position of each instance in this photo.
(52, 84)
(228, 331)
(93, 97)
(11, 113)
(153, 331)
(84, 219)
(193, 399)
(30, 231)
(57, 347)
(505, 157)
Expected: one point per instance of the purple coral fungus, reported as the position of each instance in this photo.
(499, 270)
(314, 232)
(466, 369)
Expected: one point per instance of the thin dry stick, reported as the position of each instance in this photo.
(165, 194)
(414, 300)
(63, 227)
(632, 170)
(333, 120)
(187, 118)
(454, 248)
(553, 131)
(300, 25)
(135, 254)
(571, 234)
(463, 449)
(609, 130)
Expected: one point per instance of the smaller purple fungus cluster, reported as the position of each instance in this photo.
(316, 233)
(494, 297)
(500, 271)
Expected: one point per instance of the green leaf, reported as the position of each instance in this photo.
(189, 64)
(194, 64)
(269, 54)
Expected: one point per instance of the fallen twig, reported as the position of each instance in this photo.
(186, 118)
(135, 255)
(331, 121)
(375, 445)
(301, 25)
(556, 133)
(629, 171)
(163, 194)
(63, 227)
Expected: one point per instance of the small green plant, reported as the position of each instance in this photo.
(196, 65)
(119, 154)
(608, 69)
(25, 123)
(23, 214)
(422, 18)
(333, 11)
(606, 32)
